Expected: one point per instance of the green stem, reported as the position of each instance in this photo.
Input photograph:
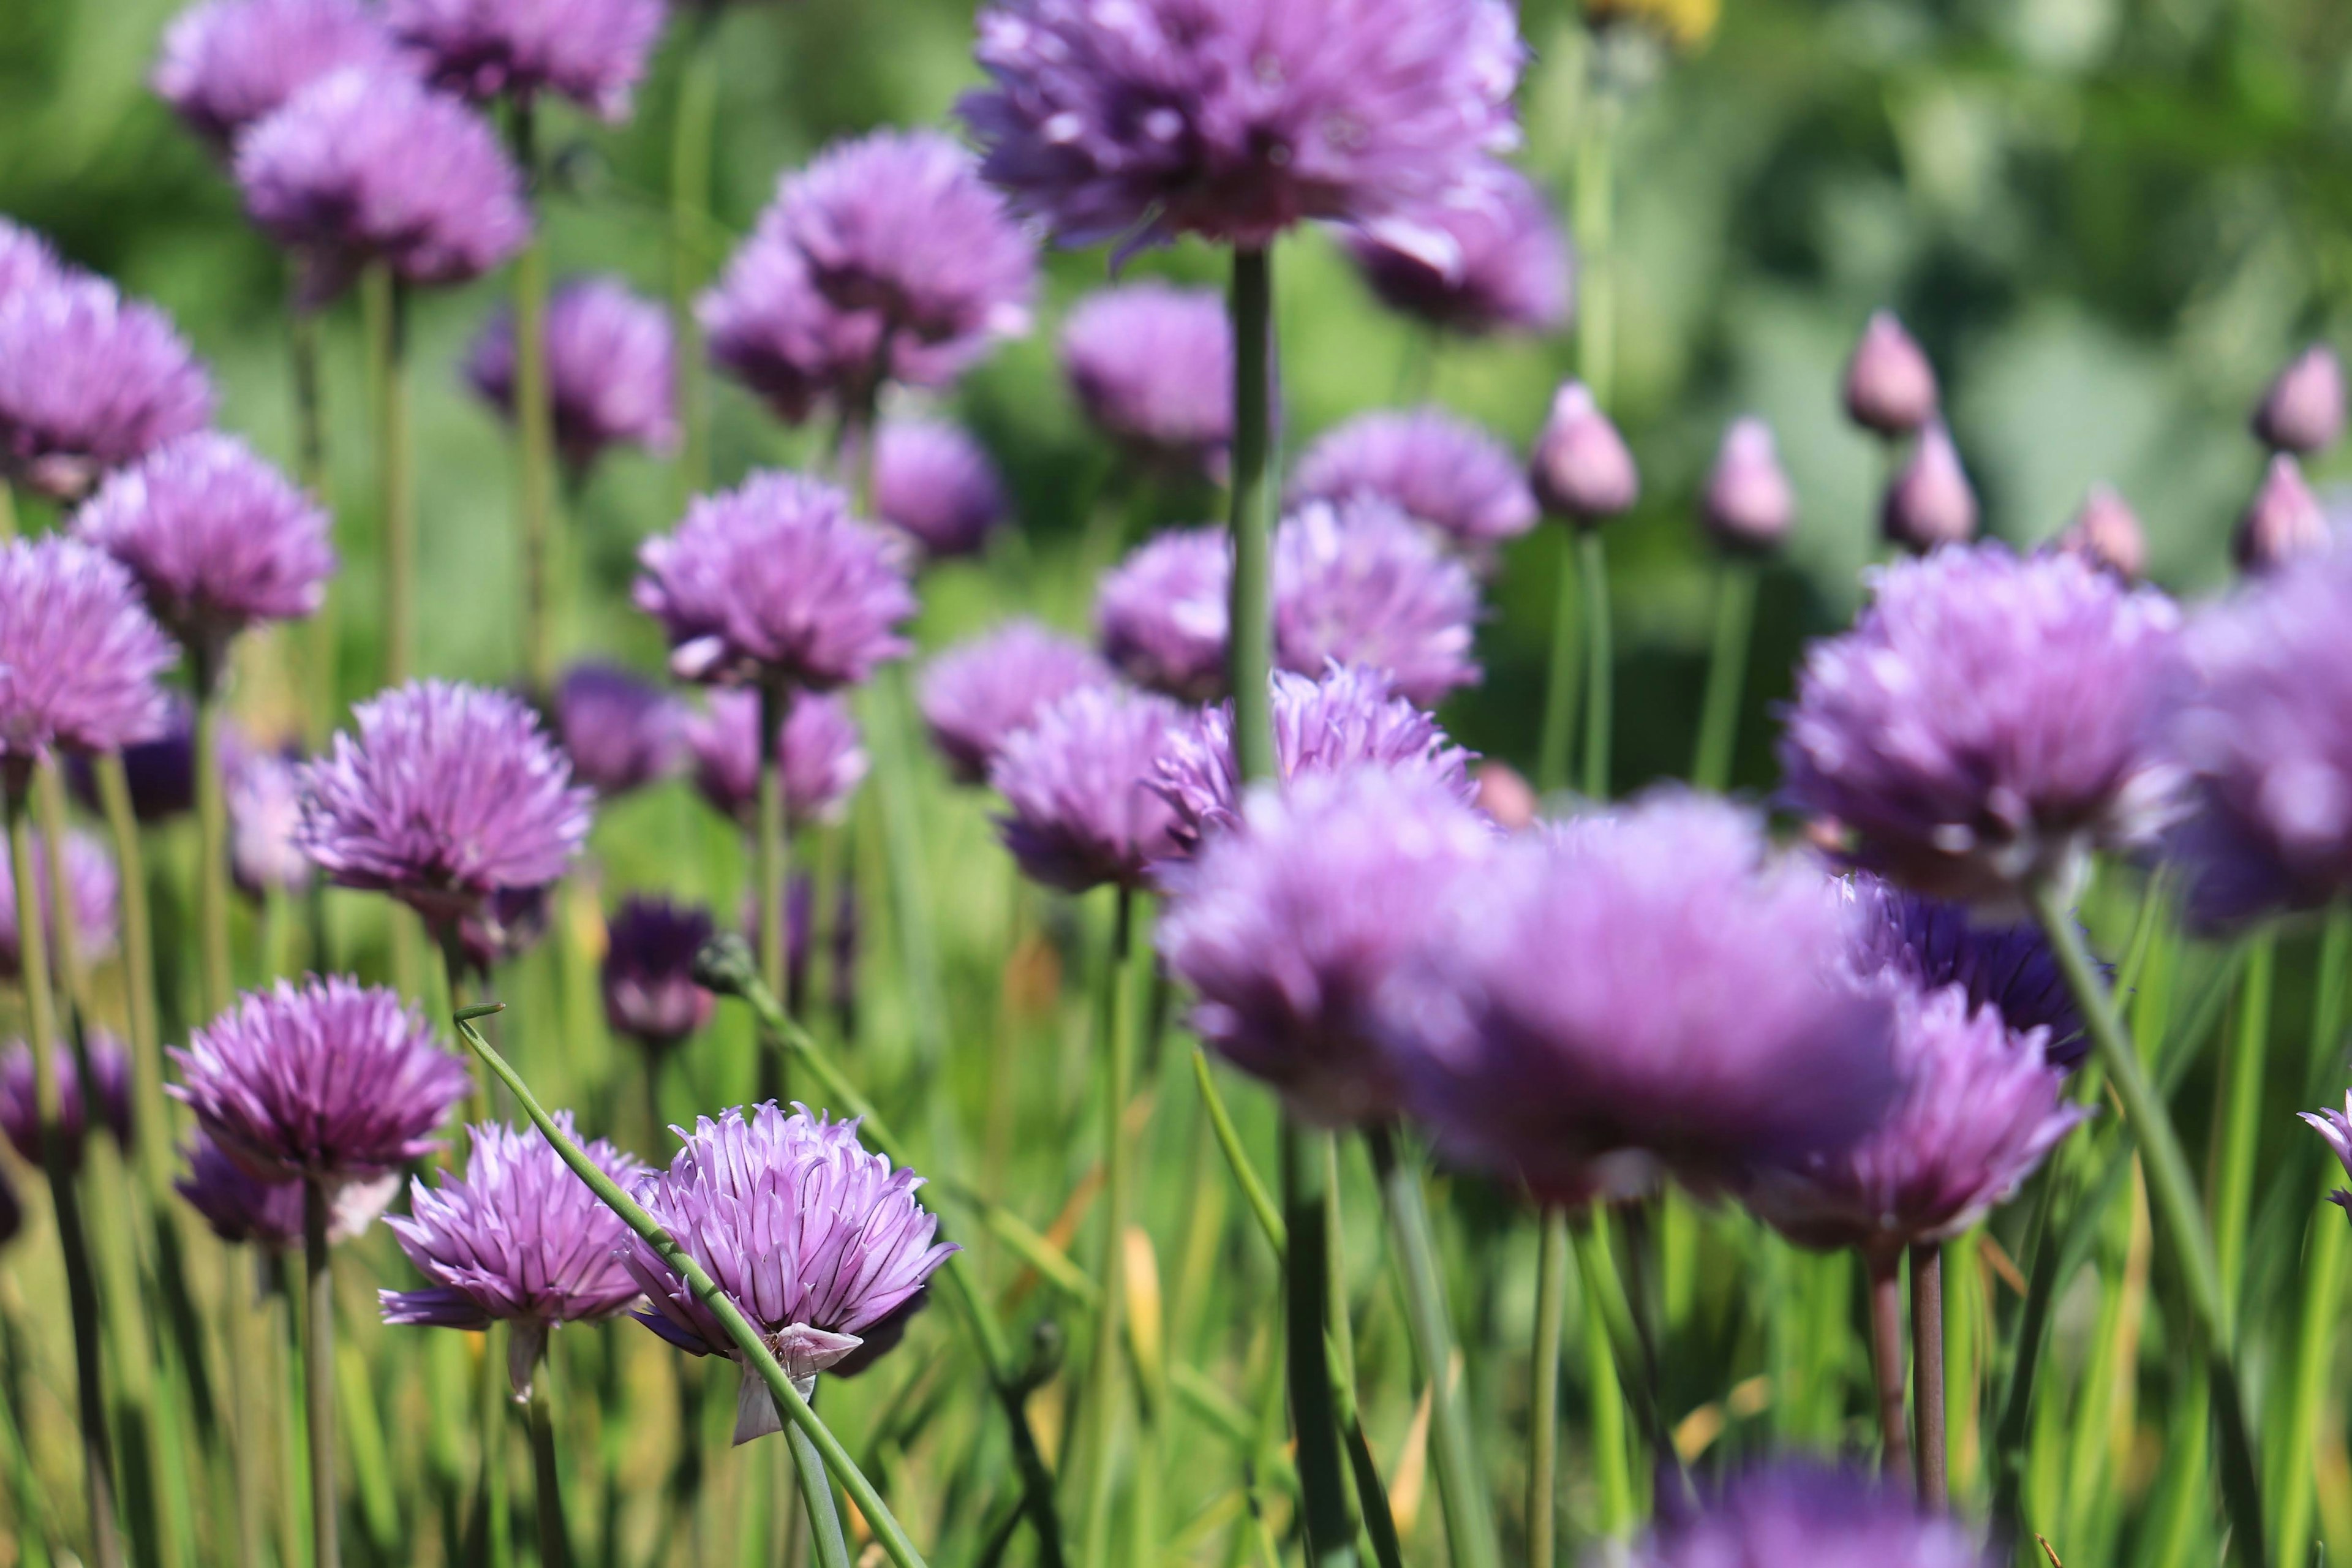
(771, 846)
(1306, 1311)
(310, 473)
(534, 415)
(1560, 686)
(153, 1121)
(1543, 1440)
(1593, 564)
(8, 510)
(492, 1397)
(888, 711)
(547, 1477)
(212, 839)
(1229, 1141)
(386, 309)
(1251, 646)
(1886, 1270)
(1596, 1273)
(2323, 1274)
(280, 1367)
(1726, 674)
(1927, 1371)
(2242, 1107)
(1594, 221)
(691, 133)
(1103, 1382)
(816, 1497)
(319, 1374)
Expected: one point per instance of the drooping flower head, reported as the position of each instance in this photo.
(1288, 926)
(823, 756)
(91, 887)
(1651, 987)
(621, 730)
(774, 581)
(1236, 119)
(650, 994)
(449, 793)
(1581, 468)
(1437, 470)
(1804, 1516)
(608, 369)
(27, 260)
(2282, 520)
(227, 63)
(217, 539)
(1890, 387)
(935, 485)
(1357, 584)
(1152, 366)
(2303, 411)
(1930, 501)
(365, 166)
(1077, 780)
(816, 1241)
(265, 822)
(1350, 719)
(1987, 720)
(1748, 503)
(331, 1081)
(241, 1207)
(89, 381)
(976, 694)
(2105, 532)
(20, 1107)
(79, 653)
(1160, 614)
(590, 51)
(1928, 945)
(1510, 270)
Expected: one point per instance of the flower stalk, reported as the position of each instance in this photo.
(1726, 674)
(1104, 1384)
(1252, 518)
(319, 1374)
(534, 425)
(1928, 1372)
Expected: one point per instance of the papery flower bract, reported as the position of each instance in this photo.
(1928, 945)
(89, 381)
(775, 581)
(242, 1207)
(449, 793)
(936, 485)
(1510, 270)
(1078, 783)
(1160, 614)
(1890, 387)
(91, 889)
(648, 980)
(1288, 926)
(227, 63)
(823, 757)
(1930, 501)
(1434, 468)
(1152, 366)
(2303, 410)
(20, 1109)
(1805, 1516)
(621, 730)
(27, 260)
(976, 694)
(609, 380)
(79, 653)
(2105, 532)
(265, 821)
(590, 51)
(331, 1081)
(1987, 720)
(1748, 503)
(1358, 584)
(2336, 1127)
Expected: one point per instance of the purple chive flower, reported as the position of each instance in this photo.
(2335, 1126)
(20, 1109)
(89, 381)
(1358, 584)
(2283, 520)
(27, 260)
(242, 1208)
(1349, 720)
(590, 51)
(823, 756)
(520, 1239)
(1437, 470)
(161, 771)
(1930, 501)
(620, 730)
(1160, 614)
(333, 1082)
(650, 994)
(1288, 926)
(78, 656)
(1803, 1516)
(2303, 411)
(1987, 720)
(1510, 270)
(1748, 503)
(1648, 986)
(217, 539)
(1581, 469)
(775, 581)
(816, 1241)
(227, 63)
(1928, 945)
(265, 822)
(976, 694)
(1236, 119)
(365, 166)
(2105, 532)
(936, 485)
(1077, 780)
(91, 887)
(1152, 366)
(1890, 387)
(449, 793)
(608, 369)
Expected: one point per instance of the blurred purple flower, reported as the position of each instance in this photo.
(79, 653)
(1437, 470)
(936, 485)
(1510, 270)
(2303, 410)
(1748, 503)
(608, 369)
(27, 260)
(1930, 501)
(621, 730)
(1077, 780)
(2105, 532)
(977, 693)
(161, 771)
(503, 927)
(1160, 614)
(650, 995)
(1803, 1516)
(1152, 366)
(241, 1207)
(2336, 1127)
(227, 63)
(1890, 387)
(1580, 468)
(1358, 584)
(823, 756)
(20, 1109)
(89, 381)
(1929, 944)
(265, 821)
(91, 889)
(2282, 522)
(590, 51)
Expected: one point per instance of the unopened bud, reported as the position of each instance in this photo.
(1931, 502)
(1748, 503)
(2303, 412)
(2283, 520)
(1504, 794)
(1581, 468)
(724, 965)
(1890, 387)
(2105, 532)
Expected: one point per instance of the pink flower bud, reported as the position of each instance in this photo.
(1931, 502)
(1581, 468)
(1890, 387)
(1748, 503)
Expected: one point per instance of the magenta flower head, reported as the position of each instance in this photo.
(1803, 1516)
(816, 1241)
(217, 539)
(1358, 584)
(608, 370)
(1988, 719)
(976, 694)
(92, 888)
(1581, 469)
(89, 381)
(1890, 387)
(1930, 501)
(27, 260)
(650, 994)
(520, 1239)
(2284, 520)
(365, 166)
(621, 730)
(20, 1109)
(935, 485)
(1236, 119)
(823, 756)
(242, 1208)
(2105, 532)
(1287, 927)
(775, 581)
(1930, 945)
(227, 63)
(2303, 411)
(1079, 782)
(1708, 1020)
(1437, 470)
(265, 821)
(590, 51)
(2335, 1126)
(1349, 720)
(1508, 270)
(1160, 614)
(1152, 366)
(449, 793)
(79, 655)
(1748, 504)
(331, 1081)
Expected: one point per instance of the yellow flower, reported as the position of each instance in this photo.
(1684, 24)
